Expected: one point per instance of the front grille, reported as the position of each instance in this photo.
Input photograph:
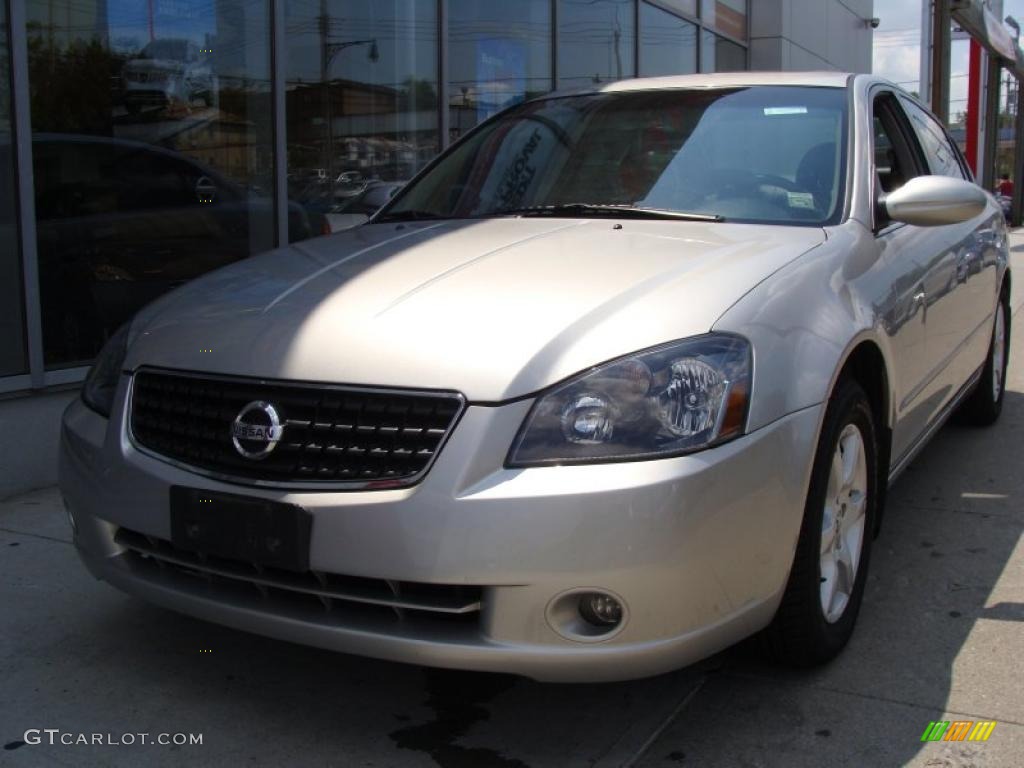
(331, 435)
(354, 598)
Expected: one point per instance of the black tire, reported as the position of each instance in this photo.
(984, 405)
(800, 634)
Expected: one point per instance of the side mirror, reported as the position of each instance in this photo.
(932, 201)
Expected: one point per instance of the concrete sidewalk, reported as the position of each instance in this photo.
(940, 637)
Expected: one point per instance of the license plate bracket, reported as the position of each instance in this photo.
(246, 528)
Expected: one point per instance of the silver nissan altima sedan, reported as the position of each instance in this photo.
(618, 380)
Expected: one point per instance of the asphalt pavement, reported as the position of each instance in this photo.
(939, 638)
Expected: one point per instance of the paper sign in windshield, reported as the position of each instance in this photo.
(801, 200)
(785, 110)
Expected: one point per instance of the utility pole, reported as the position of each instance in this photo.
(1017, 204)
(324, 25)
(328, 50)
(617, 37)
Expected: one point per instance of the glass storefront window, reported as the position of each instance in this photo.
(498, 55)
(151, 145)
(668, 44)
(727, 16)
(596, 41)
(361, 103)
(12, 316)
(720, 55)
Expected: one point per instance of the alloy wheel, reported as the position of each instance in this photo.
(843, 522)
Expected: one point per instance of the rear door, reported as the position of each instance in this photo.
(962, 280)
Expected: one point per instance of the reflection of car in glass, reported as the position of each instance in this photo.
(360, 207)
(347, 185)
(121, 222)
(1006, 204)
(167, 71)
(616, 382)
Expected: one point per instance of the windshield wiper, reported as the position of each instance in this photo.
(597, 209)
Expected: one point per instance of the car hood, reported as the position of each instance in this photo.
(493, 308)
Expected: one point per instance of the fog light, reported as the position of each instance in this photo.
(601, 610)
(587, 614)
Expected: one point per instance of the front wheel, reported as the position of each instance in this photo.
(826, 582)
(985, 404)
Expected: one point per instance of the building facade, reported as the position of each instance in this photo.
(145, 143)
(811, 34)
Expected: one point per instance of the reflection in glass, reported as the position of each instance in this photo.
(499, 55)
(684, 6)
(151, 153)
(12, 322)
(596, 41)
(727, 16)
(668, 45)
(361, 100)
(720, 55)
(762, 154)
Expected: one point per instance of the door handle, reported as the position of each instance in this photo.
(920, 300)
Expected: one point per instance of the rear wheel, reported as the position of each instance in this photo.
(985, 404)
(826, 583)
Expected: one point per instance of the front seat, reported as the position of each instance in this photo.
(817, 174)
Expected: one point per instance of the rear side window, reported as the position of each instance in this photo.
(943, 157)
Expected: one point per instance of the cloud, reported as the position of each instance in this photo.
(900, 64)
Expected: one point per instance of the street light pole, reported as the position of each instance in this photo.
(328, 50)
(941, 22)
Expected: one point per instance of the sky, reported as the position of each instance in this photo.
(897, 49)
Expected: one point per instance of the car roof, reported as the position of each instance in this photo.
(825, 79)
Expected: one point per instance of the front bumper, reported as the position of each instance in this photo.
(697, 547)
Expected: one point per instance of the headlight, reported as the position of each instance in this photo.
(674, 399)
(101, 383)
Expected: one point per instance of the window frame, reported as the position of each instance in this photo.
(905, 134)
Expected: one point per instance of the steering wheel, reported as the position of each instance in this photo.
(726, 190)
(736, 182)
(765, 188)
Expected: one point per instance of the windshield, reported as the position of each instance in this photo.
(756, 154)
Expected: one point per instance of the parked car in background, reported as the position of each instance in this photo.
(616, 382)
(121, 222)
(359, 208)
(167, 71)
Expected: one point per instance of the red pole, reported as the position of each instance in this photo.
(973, 101)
